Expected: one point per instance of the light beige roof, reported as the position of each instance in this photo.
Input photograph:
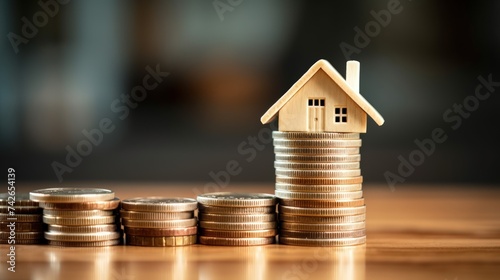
(337, 78)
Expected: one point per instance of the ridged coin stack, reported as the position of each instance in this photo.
(80, 217)
(20, 220)
(237, 219)
(159, 221)
(319, 187)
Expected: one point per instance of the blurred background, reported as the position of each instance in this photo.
(67, 66)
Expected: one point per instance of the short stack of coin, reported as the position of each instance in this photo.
(159, 221)
(319, 187)
(20, 220)
(237, 219)
(80, 217)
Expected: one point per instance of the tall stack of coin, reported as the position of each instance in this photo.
(237, 219)
(159, 221)
(20, 220)
(319, 186)
(80, 217)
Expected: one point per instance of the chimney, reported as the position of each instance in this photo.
(352, 74)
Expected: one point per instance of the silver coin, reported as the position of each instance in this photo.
(319, 196)
(301, 211)
(314, 135)
(318, 173)
(317, 143)
(316, 166)
(279, 150)
(318, 158)
(19, 199)
(160, 204)
(71, 195)
(318, 188)
(237, 199)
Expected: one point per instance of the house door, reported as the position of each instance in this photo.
(316, 114)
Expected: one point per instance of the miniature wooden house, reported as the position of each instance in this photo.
(322, 101)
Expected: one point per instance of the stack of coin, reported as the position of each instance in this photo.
(319, 187)
(159, 221)
(80, 217)
(237, 219)
(20, 220)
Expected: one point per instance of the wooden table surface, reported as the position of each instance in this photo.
(416, 232)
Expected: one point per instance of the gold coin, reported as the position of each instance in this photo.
(85, 244)
(160, 224)
(220, 241)
(78, 213)
(22, 241)
(236, 210)
(82, 237)
(237, 226)
(160, 241)
(83, 229)
(322, 242)
(248, 218)
(322, 203)
(89, 205)
(322, 220)
(300, 211)
(319, 196)
(21, 209)
(318, 188)
(322, 235)
(161, 231)
(36, 226)
(19, 199)
(22, 235)
(71, 195)
(319, 181)
(237, 233)
(316, 166)
(79, 221)
(237, 199)
(318, 158)
(336, 143)
(321, 227)
(24, 218)
(318, 173)
(136, 215)
(159, 204)
(313, 135)
(315, 151)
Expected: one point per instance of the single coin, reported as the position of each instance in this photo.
(337, 143)
(300, 211)
(313, 135)
(322, 227)
(89, 205)
(238, 233)
(71, 195)
(318, 188)
(316, 166)
(318, 173)
(322, 203)
(322, 235)
(161, 231)
(160, 241)
(82, 237)
(22, 241)
(319, 181)
(136, 215)
(83, 229)
(19, 199)
(237, 199)
(21, 209)
(79, 221)
(248, 218)
(318, 196)
(159, 224)
(315, 151)
(235, 210)
(17, 226)
(22, 235)
(85, 244)
(322, 242)
(318, 158)
(78, 213)
(322, 220)
(237, 226)
(220, 241)
(159, 204)
(24, 218)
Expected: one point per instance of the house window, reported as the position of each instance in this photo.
(316, 102)
(340, 115)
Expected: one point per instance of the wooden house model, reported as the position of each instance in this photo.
(322, 101)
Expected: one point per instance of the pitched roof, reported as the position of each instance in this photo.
(337, 78)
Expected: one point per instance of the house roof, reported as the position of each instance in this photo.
(337, 78)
